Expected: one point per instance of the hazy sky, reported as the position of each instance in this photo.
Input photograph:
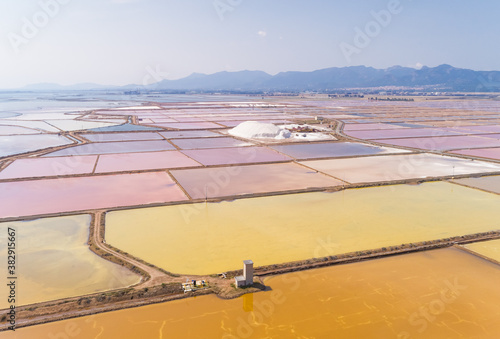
(137, 41)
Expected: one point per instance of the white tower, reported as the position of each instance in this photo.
(248, 272)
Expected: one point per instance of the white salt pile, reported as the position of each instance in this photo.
(255, 130)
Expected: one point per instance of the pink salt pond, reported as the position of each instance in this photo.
(369, 126)
(210, 143)
(36, 197)
(115, 147)
(443, 143)
(143, 161)
(238, 180)
(402, 133)
(490, 153)
(332, 150)
(236, 155)
(184, 119)
(188, 125)
(481, 129)
(189, 134)
(162, 120)
(399, 167)
(45, 167)
(234, 123)
(105, 137)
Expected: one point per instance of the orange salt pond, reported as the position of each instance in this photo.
(490, 249)
(438, 294)
(208, 238)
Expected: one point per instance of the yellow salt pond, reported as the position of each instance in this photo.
(209, 238)
(490, 249)
(438, 294)
(53, 261)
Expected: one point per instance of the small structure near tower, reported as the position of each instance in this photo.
(247, 278)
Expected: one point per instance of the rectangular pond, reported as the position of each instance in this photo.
(218, 236)
(490, 183)
(46, 196)
(15, 144)
(115, 147)
(77, 125)
(104, 137)
(237, 180)
(209, 143)
(13, 130)
(443, 143)
(189, 134)
(490, 153)
(143, 161)
(399, 167)
(403, 133)
(37, 125)
(188, 125)
(489, 249)
(332, 150)
(369, 126)
(235, 155)
(46, 167)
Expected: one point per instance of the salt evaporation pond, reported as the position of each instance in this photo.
(238, 180)
(189, 134)
(270, 230)
(143, 161)
(46, 167)
(403, 133)
(210, 143)
(332, 150)
(13, 130)
(398, 167)
(489, 183)
(188, 125)
(431, 295)
(15, 144)
(490, 249)
(115, 147)
(54, 261)
(77, 125)
(235, 155)
(443, 143)
(369, 126)
(47, 196)
(491, 153)
(105, 137)
(36, 125)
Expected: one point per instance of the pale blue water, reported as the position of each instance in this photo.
(16, 144)
(70, 101)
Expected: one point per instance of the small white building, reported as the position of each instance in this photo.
(247, 278)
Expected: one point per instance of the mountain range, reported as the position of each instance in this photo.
(440, 78)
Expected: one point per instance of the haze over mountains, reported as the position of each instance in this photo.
(440, 78)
